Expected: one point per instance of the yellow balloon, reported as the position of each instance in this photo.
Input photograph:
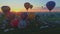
(31, 15)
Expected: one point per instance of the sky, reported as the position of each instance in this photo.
(18, 5)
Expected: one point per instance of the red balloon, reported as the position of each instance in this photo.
(14, 23)
(10, 16)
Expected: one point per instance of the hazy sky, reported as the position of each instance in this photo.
(18, 5)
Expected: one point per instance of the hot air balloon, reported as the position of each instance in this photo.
(24, 15)
(27, 5)
(22, 24)
(31, 15)
(31, 6)
(14, 23)
(41, 6)
(50, 5)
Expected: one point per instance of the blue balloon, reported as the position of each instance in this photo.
(24, 15)
(22, 24)
(50, 5)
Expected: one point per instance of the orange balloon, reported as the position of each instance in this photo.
(31, 15)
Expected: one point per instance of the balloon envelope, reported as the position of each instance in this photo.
(24, 15)
(50, 5)
(27, 5)
(31, 6)
(14, 23)
(31, 15)
(22, 24)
